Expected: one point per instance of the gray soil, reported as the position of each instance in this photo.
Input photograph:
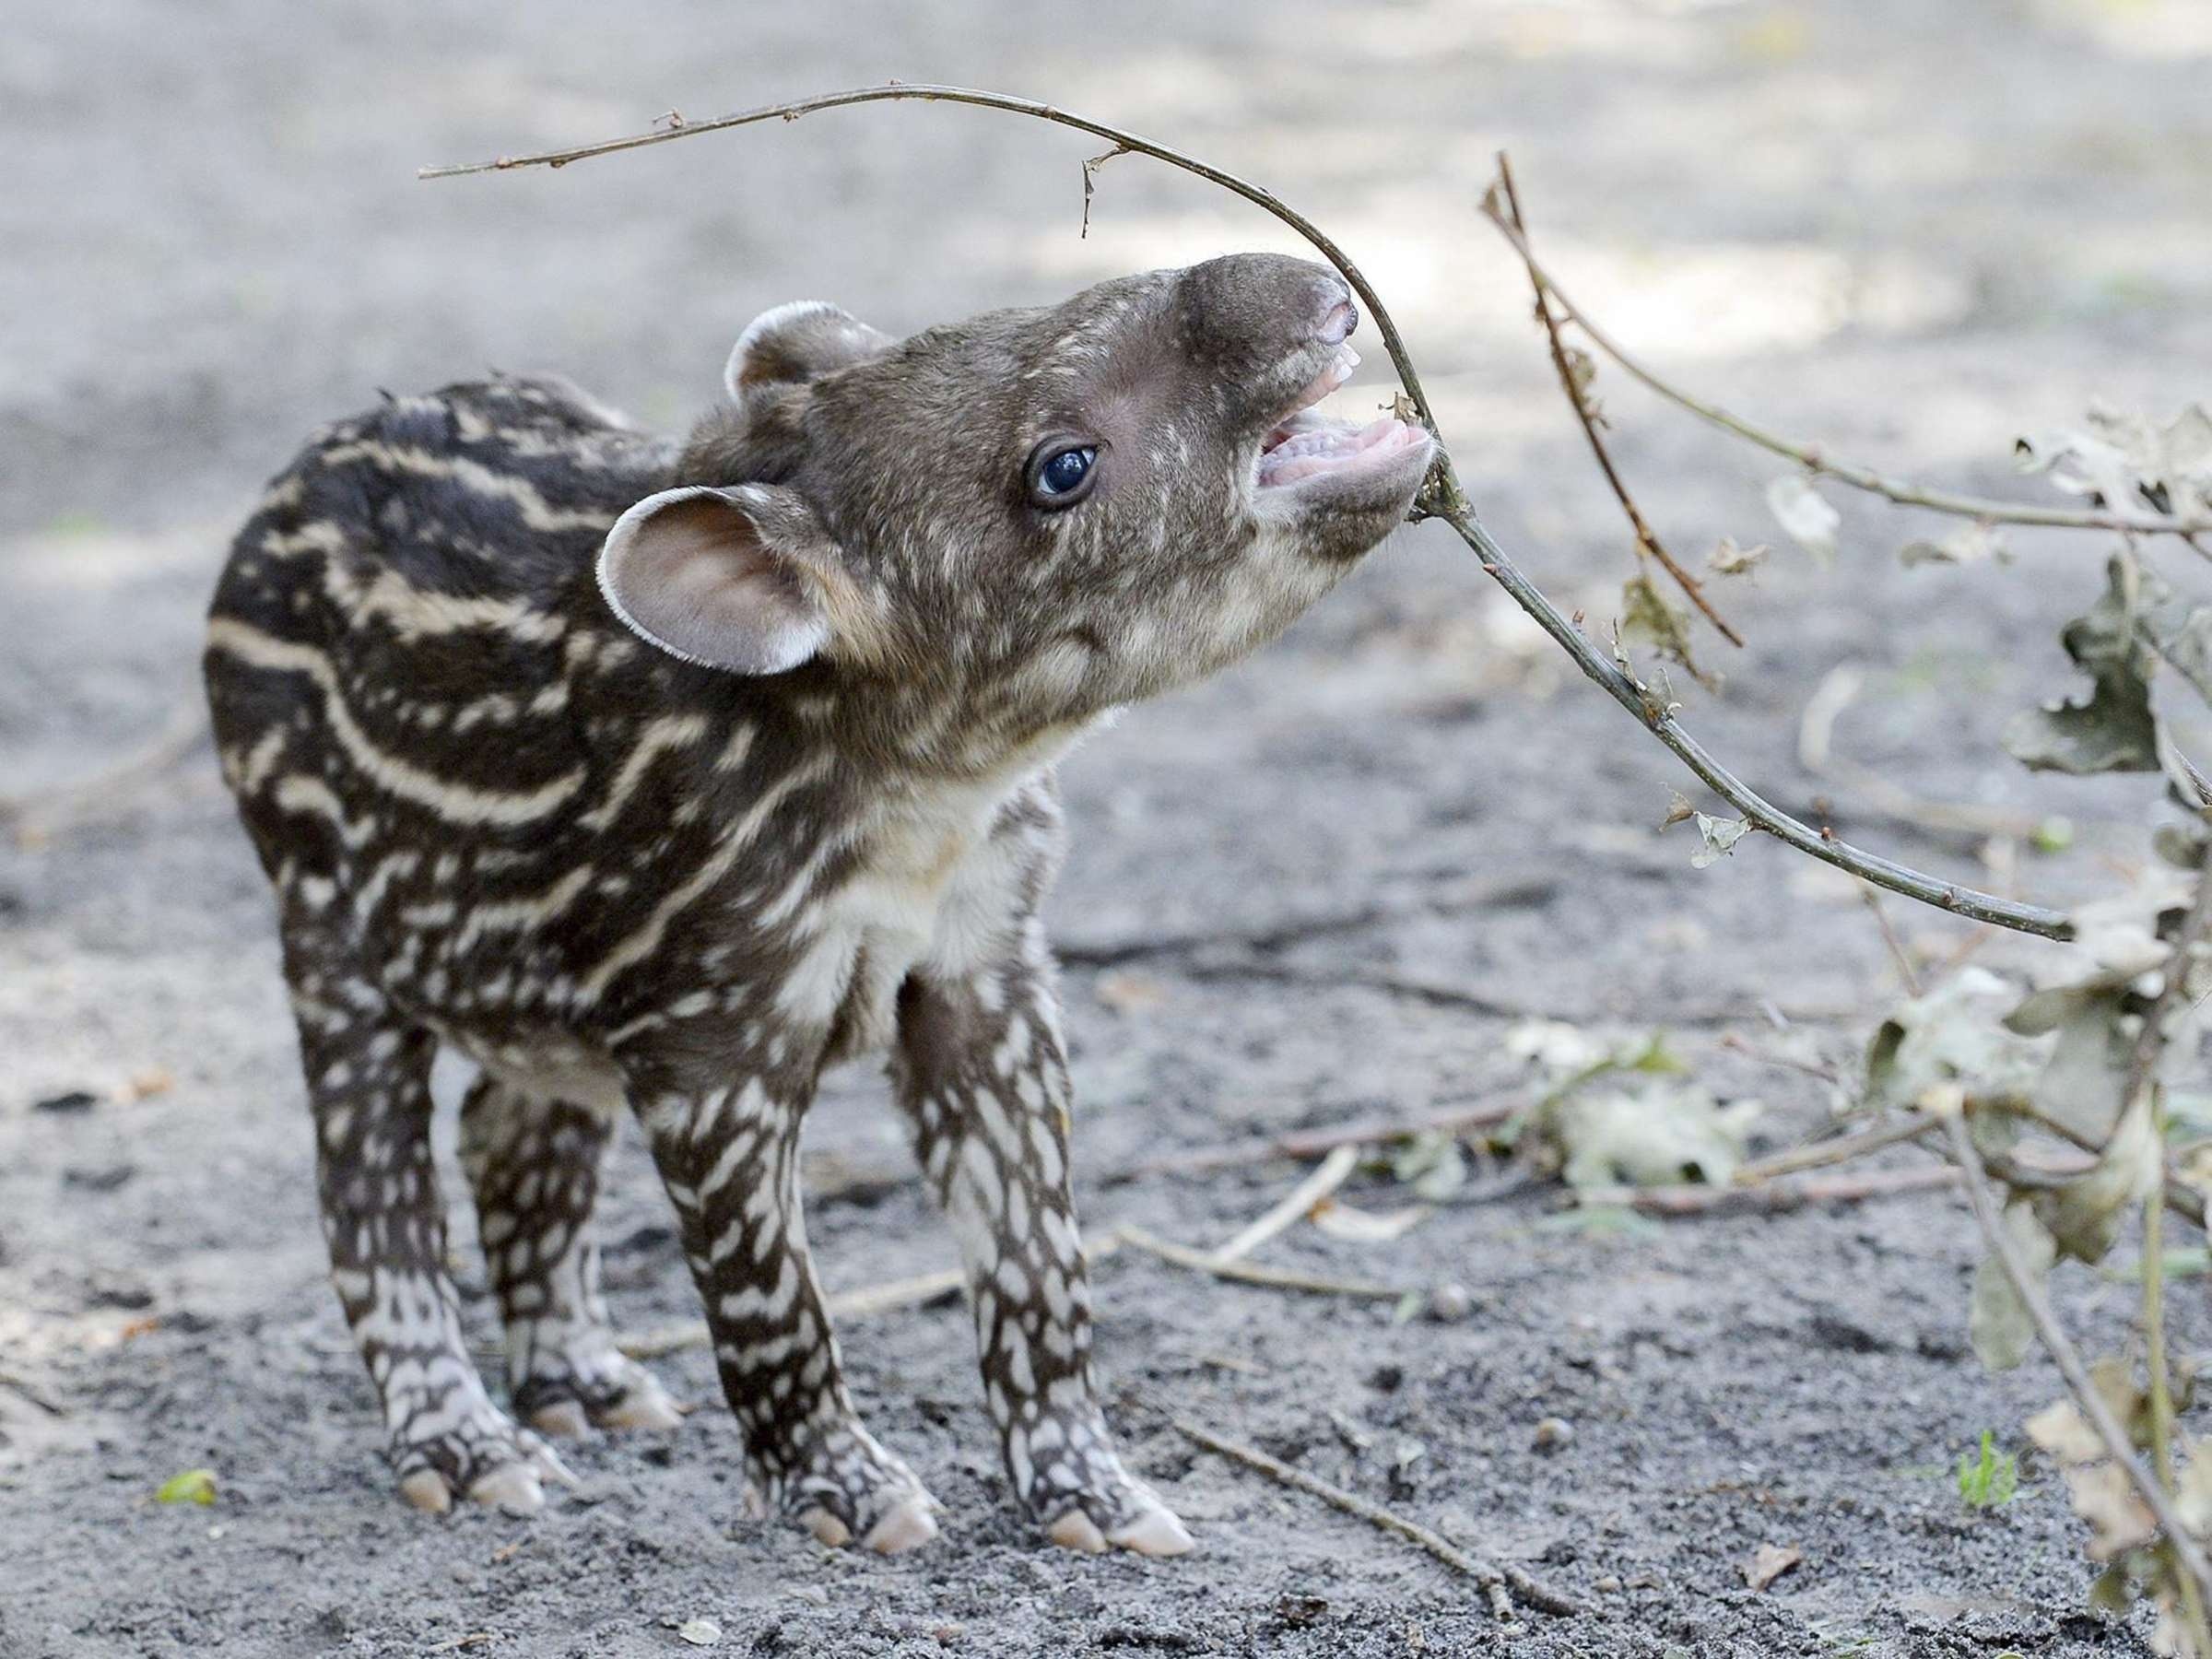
(1911, 229)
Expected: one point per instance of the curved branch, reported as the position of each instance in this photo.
(1808, 457)
(1647, 539)
(1440, 497)
(928, 93)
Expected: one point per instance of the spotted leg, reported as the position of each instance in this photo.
(535, 1166)
(981, 1075)
(731, 1161)
(368, 1078)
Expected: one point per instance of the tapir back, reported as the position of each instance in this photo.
(440, 738)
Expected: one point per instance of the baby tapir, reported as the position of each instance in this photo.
(659, 776)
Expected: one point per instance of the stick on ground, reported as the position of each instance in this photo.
(1294, 1206)
(1500, 1584)
(1772, 1197)
(1248, 1273)
(114, 786)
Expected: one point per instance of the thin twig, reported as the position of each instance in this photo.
(928, 93)
(1294, 1206)
(1495, 1582)
(1394, 984)
(1905, 971)
(1091, 174)
(1520, 892)
(1772, 1197)
(828, 1181)
(1441, 496)
(2144, 1093)
(2161, 1387)
(1438, 994)
(36, 814)
(1811, 1068)
(1302, 1144)
(44, 1401)
(2068, 1360)
(1249, 1273)
(1659, 719)
(1840, 1149)
(1810, 456)
(1647, 539)
(2182, 1198)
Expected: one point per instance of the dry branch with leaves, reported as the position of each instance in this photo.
(2085, 1061)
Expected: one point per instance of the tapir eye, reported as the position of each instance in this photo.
(1060, 472)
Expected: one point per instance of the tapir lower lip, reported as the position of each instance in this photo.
(1309, 447)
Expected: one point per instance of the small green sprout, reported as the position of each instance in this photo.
(1990, 1480)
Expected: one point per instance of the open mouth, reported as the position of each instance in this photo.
(1305, 445)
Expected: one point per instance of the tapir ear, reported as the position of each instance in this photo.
(725, 578)
(796, 343)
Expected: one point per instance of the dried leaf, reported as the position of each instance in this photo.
(2085, 1214)
(1659, 1132)
(2181, 845)
(2120, 932)
(2107, 1500)
(2065, 1434)
(1955, 1034)
(1649, 617)
(2114, 730)
(1433, 1164)
(1970, 544)
(2061, 1430)
(1719, 836)
(1574, 1058)
(2113, 1380)
(1998, 1322)
(2175, 1635)
(1554, 1045)
(700, 1632)
(1799, 509)
(1728, 559)
(2129, 462)
(2193, 1497)
(1582, 369)
(2177, 631)
(2083, 1083)
(1768, 1562)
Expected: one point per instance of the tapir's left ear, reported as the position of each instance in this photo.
(796, 343)
(733, 579)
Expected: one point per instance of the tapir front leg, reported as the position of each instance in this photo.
(981, 1072)
(730, 1160)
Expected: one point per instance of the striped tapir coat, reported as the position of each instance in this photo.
(655, 777)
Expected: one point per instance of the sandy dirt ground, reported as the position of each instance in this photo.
(1913, 230)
